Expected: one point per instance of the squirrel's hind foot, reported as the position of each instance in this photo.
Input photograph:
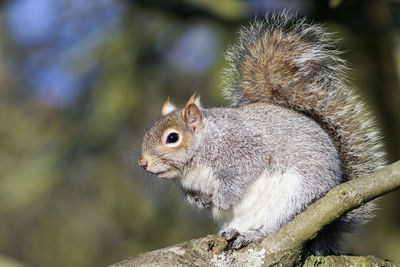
(239, 240)
(229, 234)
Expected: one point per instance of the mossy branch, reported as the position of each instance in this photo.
(284, 247)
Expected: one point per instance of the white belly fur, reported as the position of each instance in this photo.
(200, 178)
(265, 206)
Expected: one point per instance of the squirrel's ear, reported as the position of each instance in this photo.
(192, 114)
(194, 99)
(167, 108)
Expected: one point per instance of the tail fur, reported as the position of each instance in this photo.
(290, 62)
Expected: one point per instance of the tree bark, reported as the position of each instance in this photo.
(285, 247)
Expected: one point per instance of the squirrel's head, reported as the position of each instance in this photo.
(168, 144)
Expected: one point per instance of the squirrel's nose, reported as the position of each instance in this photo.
(143, 163)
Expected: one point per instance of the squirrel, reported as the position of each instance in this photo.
(295, 129)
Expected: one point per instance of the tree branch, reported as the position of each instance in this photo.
(285, 247)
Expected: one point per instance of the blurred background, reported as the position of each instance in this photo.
(81, 80)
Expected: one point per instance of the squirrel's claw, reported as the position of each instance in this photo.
(241, 241)
(229, 234)
(201, 201)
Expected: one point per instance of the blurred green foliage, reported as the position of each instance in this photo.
(71, 193)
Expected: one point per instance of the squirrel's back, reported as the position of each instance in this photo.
(287, 61)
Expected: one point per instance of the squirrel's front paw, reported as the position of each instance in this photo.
(201, 201)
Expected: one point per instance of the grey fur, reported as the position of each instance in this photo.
(292, 110)
(255, 138)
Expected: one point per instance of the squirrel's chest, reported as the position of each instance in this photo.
(199, 178)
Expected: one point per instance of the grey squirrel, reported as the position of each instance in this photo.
(295, 129)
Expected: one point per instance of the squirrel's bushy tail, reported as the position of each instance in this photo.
(290, 62)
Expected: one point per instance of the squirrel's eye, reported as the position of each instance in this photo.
(172, 138)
